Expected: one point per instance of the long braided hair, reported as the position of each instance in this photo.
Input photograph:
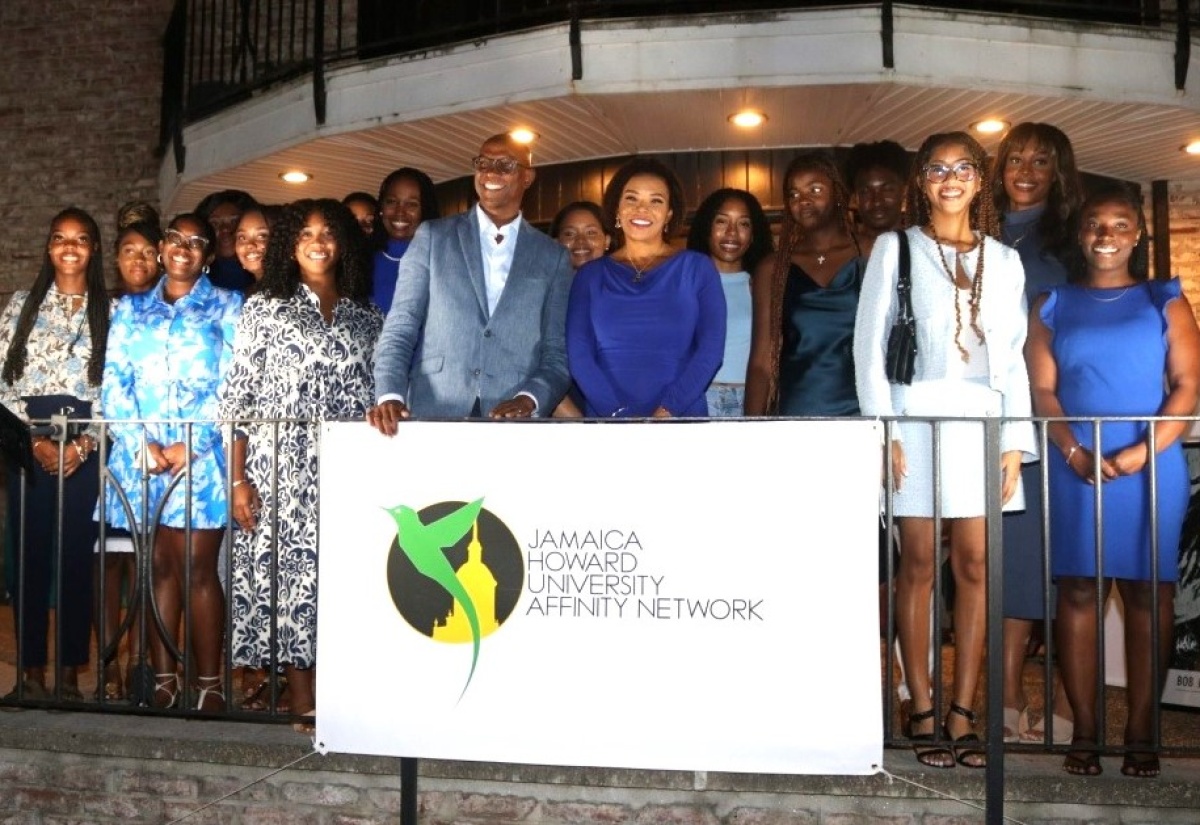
(790, 236)
(982, 215)
(97, 304)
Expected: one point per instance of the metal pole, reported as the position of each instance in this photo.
(994, 801)
(408, 790)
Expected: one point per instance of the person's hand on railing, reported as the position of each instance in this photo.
(386, 415)
(175, 457)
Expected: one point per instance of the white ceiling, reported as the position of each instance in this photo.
(1123, 126)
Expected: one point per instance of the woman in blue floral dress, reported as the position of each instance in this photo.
(168, 351)
(305, 350)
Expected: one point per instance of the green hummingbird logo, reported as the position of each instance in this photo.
(425, 546)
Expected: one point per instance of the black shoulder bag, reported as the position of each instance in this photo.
(902, 342)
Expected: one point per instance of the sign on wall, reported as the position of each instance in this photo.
(693, 596)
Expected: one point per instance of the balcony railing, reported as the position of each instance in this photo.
(220, 52)
(142, 619)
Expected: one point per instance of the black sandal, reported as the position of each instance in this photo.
(1083, 759)
(1141, 764)
(932, 756)
(968, 750)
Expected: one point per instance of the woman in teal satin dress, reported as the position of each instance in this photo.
(805, 298)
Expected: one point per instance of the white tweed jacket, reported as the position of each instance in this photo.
(1002, 313)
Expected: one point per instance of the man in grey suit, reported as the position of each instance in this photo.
(477, 322)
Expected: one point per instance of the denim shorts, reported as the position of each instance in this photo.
(726, 400)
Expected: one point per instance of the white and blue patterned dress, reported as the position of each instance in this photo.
(289, 364)
(164, 364)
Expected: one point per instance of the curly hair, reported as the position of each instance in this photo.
(631, 169)
(428, 195)
(1139, 260)
(1066, 189)
(983, 214)
(97, 304)
(699, 236)
(281, 271)
(790, 236)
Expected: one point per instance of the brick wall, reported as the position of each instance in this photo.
(1185, 239)
(80, 84)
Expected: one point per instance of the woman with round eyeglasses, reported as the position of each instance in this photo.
(53, 337)
(168, 352)
(969, 304)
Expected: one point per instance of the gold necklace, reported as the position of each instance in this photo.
(639, 272)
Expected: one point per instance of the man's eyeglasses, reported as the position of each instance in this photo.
(502, 166)
(964, 170)
(196, 243)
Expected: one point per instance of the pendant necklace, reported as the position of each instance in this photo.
(639, 272)
(79, 327)
(1107, 300)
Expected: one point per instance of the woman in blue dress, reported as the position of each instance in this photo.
(1107, 346)
(168, 350)
(731, 228)
(645, 324)
(406, 198)
(1037, 192)
(805, 299)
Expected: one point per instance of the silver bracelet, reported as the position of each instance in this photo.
(237, 484)
(1071, 453)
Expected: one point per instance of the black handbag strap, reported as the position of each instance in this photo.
(904, 283)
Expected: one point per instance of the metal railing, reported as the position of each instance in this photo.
(143, 618)
(221, 52)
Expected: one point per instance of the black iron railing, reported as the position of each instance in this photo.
(221, 52)
(141, 620)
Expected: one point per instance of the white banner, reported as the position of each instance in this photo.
(690, 595)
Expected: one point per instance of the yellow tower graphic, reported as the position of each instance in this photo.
(479, 582)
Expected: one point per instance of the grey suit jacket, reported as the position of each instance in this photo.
(440, 350)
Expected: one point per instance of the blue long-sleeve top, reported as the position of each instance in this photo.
(636, 345)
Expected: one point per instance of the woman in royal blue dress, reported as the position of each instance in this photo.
(168, 350)
(646, 323)
(1114, 344)
(406, 198)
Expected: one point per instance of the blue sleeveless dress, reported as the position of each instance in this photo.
(1110, 348)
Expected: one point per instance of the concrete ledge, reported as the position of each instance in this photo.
(1037, 789)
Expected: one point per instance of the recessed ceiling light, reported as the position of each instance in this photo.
(748, 119)
(1192, 148)
(523, 136)
(990, 126)
(295, 176)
